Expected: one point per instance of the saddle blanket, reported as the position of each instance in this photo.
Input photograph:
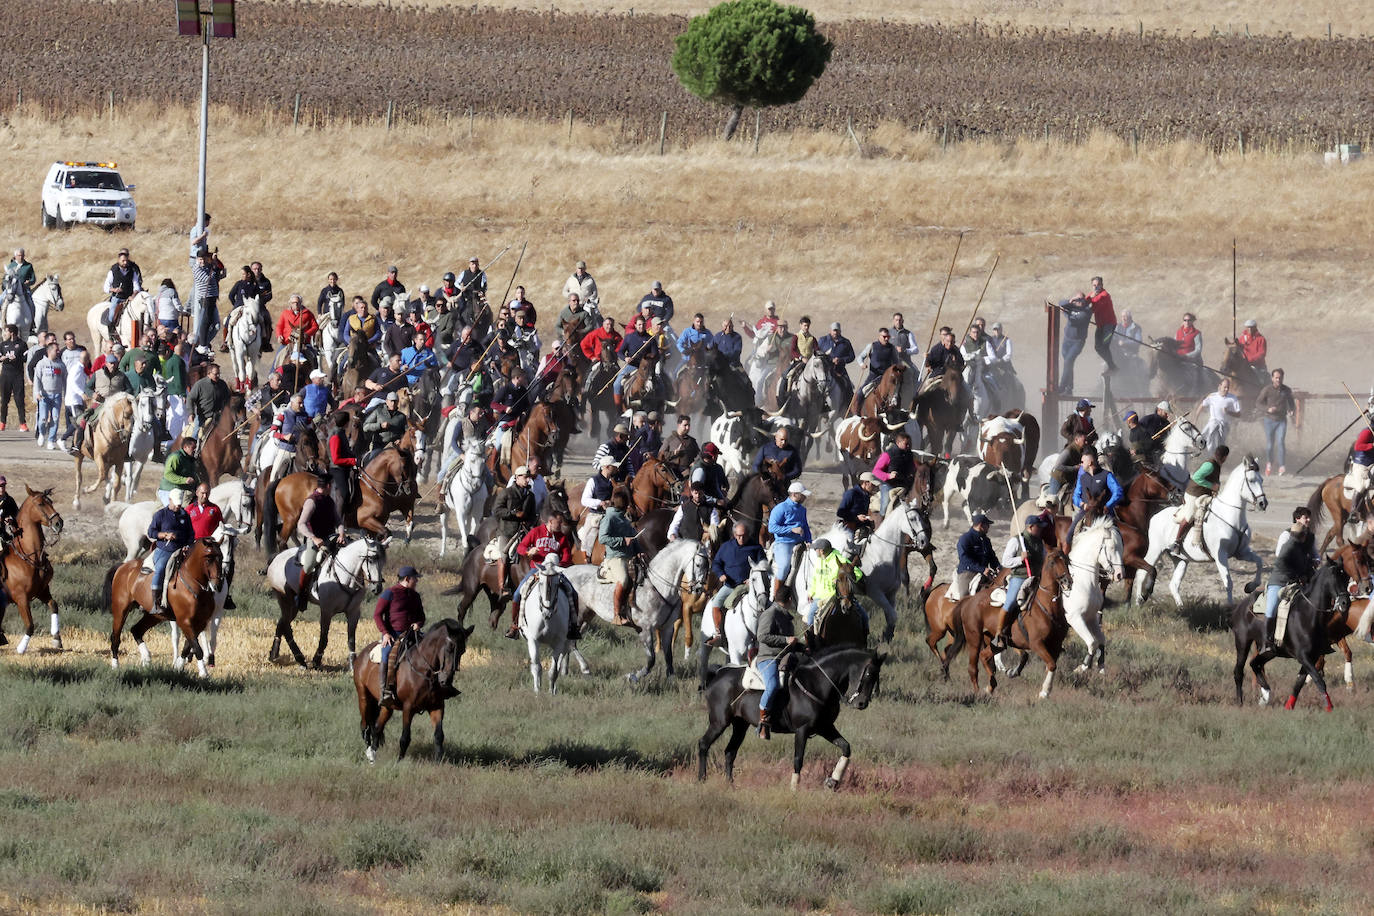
(1286, 596)
(752, 680)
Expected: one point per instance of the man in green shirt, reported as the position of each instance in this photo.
(1197, 498)
(618, 536)
(182, 471)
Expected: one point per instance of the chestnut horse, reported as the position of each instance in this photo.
(424, 682)
(940, 409)
(655, 486)
(537, 436)
(885, 400)
(191, 588)
(1330, 496)
(1147, 494)
(1041, 628)
(221, 452)
(26, 568)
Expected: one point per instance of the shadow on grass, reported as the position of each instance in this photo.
(183, 680)
(576, 756)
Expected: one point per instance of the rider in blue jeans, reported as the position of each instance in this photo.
(170, 530)
(787, 523)
(776, 635)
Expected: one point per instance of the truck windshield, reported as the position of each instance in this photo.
(101, 181)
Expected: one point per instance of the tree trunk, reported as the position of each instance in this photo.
(732, 122)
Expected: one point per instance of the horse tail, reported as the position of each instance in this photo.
(1316, 505)
(270, 516)
(107, 589)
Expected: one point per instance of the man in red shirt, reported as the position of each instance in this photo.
(1255, 349)
(591, 343)
(550, 539)
(297, 316)
(205, 521)
(766, 325)
(1104, 316)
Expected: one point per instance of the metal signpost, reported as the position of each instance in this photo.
(189, 16)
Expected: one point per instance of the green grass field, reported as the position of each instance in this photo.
(1143, 790)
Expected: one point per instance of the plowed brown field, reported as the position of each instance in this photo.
(614, 69)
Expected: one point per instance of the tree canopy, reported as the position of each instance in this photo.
(751, 52)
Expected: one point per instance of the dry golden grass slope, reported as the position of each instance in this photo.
(805, 221)
(1300, 17)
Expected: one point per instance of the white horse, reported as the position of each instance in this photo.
(235, 501)
(144, 434)
(808, 402)
(245, 342)
(339, 586)
(656, 600)
(1096, 550)
(1182, 442)
(1225, 532)
(764, 361)
(47, 295)
(903, 529)
(544, 615)
(139, 312)
(742, 620)
(331, 347)
(466, 495)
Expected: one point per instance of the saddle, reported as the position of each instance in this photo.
(1286, 596)
(930, 384)
(173, 567)
(751, 679)
(491, 555)
(736, 593)
(998, 596)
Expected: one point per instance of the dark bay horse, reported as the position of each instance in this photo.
(599, 398)
(754, 498)
(424, 682)
(26, 567)
(820, 686)
(191, 588)
(1174, 376)
(940, 411)
(362, 362)
(537, 437)
(641, 388)
(1246, 382)
(842, 624)
(1305, 639)
(1147, 494)
(694, 382)
(562, 399)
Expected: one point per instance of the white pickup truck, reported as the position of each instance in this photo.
(87, 192)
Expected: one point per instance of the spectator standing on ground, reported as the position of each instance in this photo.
(1276, 402)
(1221, 405)
(49, 385)
(12, 377)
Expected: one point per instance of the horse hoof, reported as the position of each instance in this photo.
(370, 755)
(831, 783)
(210, 661)
(632, 678)
(114, 663)
(57, 643)
(316, 664)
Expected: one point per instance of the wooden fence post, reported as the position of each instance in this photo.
(296, 113)
(758, 129)
(662, 132)
(570, 120)
(389, 107)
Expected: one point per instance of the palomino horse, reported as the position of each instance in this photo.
(1041, 628)
(820, 686)
(108, 445)
(134, 321)
(424, 681)
(191, 587)
(940, 410)
(1226, 532)
(245, 344)
(1306, 638)
(340, 585)
(27, 570)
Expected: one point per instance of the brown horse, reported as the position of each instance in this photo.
(536, 437)
(693, 382)
(1246, 381)
(562, 399)
(885, 400)
(191, 587)
(362, 362)
(754, 498)
(572, 345)
(385, 485)
(940, 409)
(221, 452)
(1330, 496)
(108, 446)
(1040, 628)
(424, 682)
(599, 398)
(655, 486)
(26, 568)
(943, 620)
(1147, 495)
(639, 387)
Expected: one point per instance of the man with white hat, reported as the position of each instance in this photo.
(583, 286)
(853, 513)
(791, 531)
(170, 531)
(317, 398)
(617, 448)
(1255, 349)
(596, 496)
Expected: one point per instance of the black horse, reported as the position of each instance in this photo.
(754, 498)
(809, 706)
(1305, 638)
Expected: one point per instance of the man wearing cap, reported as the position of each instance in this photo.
(708, 472)
(976, 557)
(170, 531)
(391, 288)
(515, 514)
(422, 306)
(660, 302)
(122, 282)
(621, 541)
(448, 290)
(1255, 349)
(1155, 423)
(617, 448)
(1078, 316)
(786, 456)
(287, 426)
(1197, 498)
(399, 611)
(596, 496)
(582, 320)
(766, 325)
(317, 398)
(824, 575)
(395, 336)
(853, 513)
(1276, 403)
(731, 566)
(321, 529)
(680, 450)
(297, 320)
(877, 358)
(1220, 405)
(696, 517)
(646, 439)
(206, 272)
(384, 423)
(838, 353)
(790, 529)
(1093, 483)
(583, 285)
(1080, 421)
(1023, 558)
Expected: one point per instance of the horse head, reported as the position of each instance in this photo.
(54, 292)
(39, 504)
(867, 681)
(1254, 483)
(374, 558)
(915, 524)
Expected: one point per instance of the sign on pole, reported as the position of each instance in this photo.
(188, 17)
(222, 17)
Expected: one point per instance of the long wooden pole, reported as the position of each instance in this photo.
(979, 304)
(1233, 289)
(936, 324)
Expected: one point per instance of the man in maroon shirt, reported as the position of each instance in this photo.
(1104, 316)
(398, 609)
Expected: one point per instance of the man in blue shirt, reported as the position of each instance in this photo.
(1093, 483)
(976, 556)
(787, 523)
(635, 348)
(170, 530)
(694, 335)
(417, 357)
(778, 450)
(729, 344)
(838, 353)
(734, 561)
(316, 398)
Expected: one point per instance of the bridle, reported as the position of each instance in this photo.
(357, 578)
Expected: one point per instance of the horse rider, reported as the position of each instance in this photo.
(343, 464)
(21, 280)
(637, 348)
(1188, 341)
(330, 302)
(1094, 481)
(449, 291)
(399, 612)
(617, 449)
(853, 514)
(695, 519)
(582, 320)
(1155, 423)
(680, 449)
(729, 347)
(1255, 350)
(321, 530)
(908, 348)
(976, 557)
(731, 566)
(206, 517)
(877, 358)
(538, 485)
(287, 426)
(207, 399)
(620, 539)
(596, 497)
(1067, 463)
(997, 362)
(943, 356)
(583, 285)
(1024, 559)
(776, 634)
(1080, 421)
(105, 379)
(645, 441)
(551, 366)
(360, 322)
(546, 543)
(660, 303)
(515, 514)
(123, 281)
(394, 335)
(780, 451)
(300, 322)
(390, 287)
(788, 524)
(694, 336)
(181, 473)
(824, 575)
(245, 287)
(1197, 499)
(9, 513)
(472, 285)
(317, 396)
(765, 326)
(895, 469)
(1356, 482)
(384, 424)
(708, 472)
(1144, 448)
(1296, 558)
(838, 353)
(591, 346)
(170, 531)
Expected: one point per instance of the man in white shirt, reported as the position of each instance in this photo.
(1221, 406)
